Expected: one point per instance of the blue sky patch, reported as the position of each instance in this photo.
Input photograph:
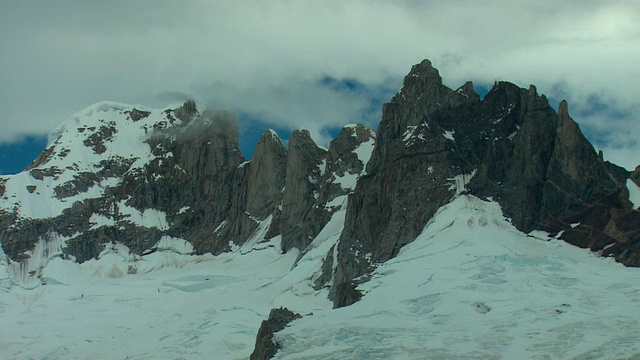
(16, 156)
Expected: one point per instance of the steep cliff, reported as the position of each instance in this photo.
(511, 147)
(118, 174)
(115, 175)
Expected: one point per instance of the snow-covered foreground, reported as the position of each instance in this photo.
(175, 306)
(470, 287)
(210, 308)
(473, 287)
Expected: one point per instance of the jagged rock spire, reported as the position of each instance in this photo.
(267, 175)
(187, 111)
(511, 147)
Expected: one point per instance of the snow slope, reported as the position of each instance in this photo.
(470, 287)
(473, 287)
(70, 155)
(164, 305)
(186, 307)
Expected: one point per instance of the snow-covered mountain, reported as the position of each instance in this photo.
(146, 233)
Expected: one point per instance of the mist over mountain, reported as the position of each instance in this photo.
(454, 202)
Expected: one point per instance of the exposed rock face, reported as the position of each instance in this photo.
(260, 193)
(117, 174)
(188, 187)
(187, 179)
(315, 177)
(343, 160)
(278, 319)
(410, 175)
(266, 180)
(187, 111)
(137, 115)
(511, 147)
(304, 177)
(635, 175)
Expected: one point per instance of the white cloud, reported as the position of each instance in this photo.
(267, 57)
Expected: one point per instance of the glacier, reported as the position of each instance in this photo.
(146, 234)
(471, 286)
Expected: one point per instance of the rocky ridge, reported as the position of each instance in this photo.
(183, 179)
(511, 147)
(265, 347)
(115, 174)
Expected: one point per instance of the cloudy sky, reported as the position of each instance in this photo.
(315, 65)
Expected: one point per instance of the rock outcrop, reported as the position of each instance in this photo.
(266, 347)
(304, 175)
(118, 174)
(635, 175)
(186, 180)
(267, 174)
(511, 146)
(182, 182)
(315, 177)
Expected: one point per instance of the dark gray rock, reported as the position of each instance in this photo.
(195, 180)
(535, 162)
(635, 175)
(407, 179)
(261, 190)
(575, 173)
(40, 174)
(266, 347)
(302, 185)
(326, 274)
(266, 178)
(96, 141)
(82, 181)
(43, 158)
(187, 111)
(137, 115)
(341, 161)
(318, 177)
(203, 175)
(619, 173)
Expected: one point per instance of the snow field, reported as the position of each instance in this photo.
(164, 305)
(473, 287)
(176, 306)
(470, 287)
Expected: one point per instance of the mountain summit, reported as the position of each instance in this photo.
(511, 147)
(117, 180)
(114, 173)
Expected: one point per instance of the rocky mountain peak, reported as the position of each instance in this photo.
(187, 111)
(267, 175)
(511, 147)
(563, 109)
(468, 90)
(635, 175)
(422, 82)
(341, 157)
(136, 178)
(345, 162)
(305, 164)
